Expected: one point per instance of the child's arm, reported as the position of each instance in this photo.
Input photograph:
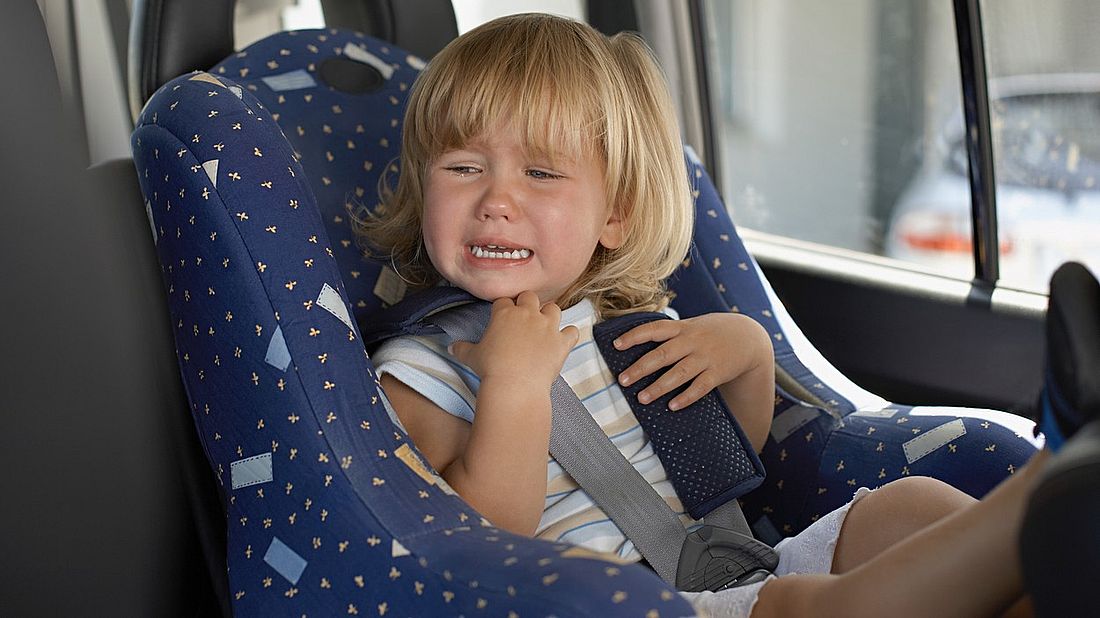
(729, 351)
(497, 463)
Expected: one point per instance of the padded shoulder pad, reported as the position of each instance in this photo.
(708, 458)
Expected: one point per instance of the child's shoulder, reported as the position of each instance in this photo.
(405, 347)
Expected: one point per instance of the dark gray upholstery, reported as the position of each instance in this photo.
(172, 37)
(421, 26)
(96, 519)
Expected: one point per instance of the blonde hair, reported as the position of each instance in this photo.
(568, 89)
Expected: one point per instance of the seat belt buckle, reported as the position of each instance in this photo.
(717, 558)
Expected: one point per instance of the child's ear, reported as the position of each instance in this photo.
(613, 231)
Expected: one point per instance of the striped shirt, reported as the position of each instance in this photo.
(569, 514)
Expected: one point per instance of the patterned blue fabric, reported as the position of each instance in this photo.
(330, 510)
(344, 142)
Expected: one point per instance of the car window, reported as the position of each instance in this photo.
(1048, 141)
(257, 19)
(96, 83)
(472, 13)
(835, 123)
(254, 20)
(1044, 65)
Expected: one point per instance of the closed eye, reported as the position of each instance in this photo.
(462, 170)
(538, 174)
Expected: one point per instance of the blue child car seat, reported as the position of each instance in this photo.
(329, 509)
(247, 170)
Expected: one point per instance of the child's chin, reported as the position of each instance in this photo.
(493, 292)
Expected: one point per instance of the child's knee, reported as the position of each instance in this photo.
(924, 497)
(892, 513)
(909, 504)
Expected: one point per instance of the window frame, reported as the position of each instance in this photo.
(970, 45)
(979, 141)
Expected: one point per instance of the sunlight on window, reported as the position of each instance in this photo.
(256, 20)
(1045, 105)
(472, 13)
(303, 14)
(834, 121)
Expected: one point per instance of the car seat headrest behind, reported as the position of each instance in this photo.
(173, 37)
(422, 27)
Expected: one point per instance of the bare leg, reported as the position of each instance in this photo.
(891, 513)
(967, 564)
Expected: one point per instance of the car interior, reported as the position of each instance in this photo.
(151, 473)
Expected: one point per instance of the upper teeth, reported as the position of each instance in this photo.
(498, 252)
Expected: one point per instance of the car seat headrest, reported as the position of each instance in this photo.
(339, 97)
(170, 38)
(422, 27)
(173, 37)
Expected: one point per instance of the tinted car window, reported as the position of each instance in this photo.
(1049, 140)
(828, 115)
(1044, 66)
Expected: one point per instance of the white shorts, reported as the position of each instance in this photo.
(808, 552)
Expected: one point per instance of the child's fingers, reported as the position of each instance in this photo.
(676, 376)
(700, 386)
(552, 312)
(657, 330)
(572, 334)
(503, 303)
(527, 299)
(663, 355)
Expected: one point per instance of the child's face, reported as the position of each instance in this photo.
(499, 221)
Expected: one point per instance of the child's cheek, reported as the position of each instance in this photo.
(431, 248)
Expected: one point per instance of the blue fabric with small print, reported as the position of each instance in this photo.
(247, 171)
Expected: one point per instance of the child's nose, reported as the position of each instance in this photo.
(498, 202)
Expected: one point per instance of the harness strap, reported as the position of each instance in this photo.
(587, 454)
(710, 463)
(709, 460)
(729, 516)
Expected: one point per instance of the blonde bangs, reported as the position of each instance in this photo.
(525, 78)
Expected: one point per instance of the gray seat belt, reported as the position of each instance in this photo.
(584, 451)
(587, 454)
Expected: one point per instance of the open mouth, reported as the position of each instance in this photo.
(497, 252)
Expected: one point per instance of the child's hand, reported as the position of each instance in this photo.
(709, 350)
(524, 343)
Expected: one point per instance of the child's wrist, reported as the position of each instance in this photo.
(512, 397)
(517, 382)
